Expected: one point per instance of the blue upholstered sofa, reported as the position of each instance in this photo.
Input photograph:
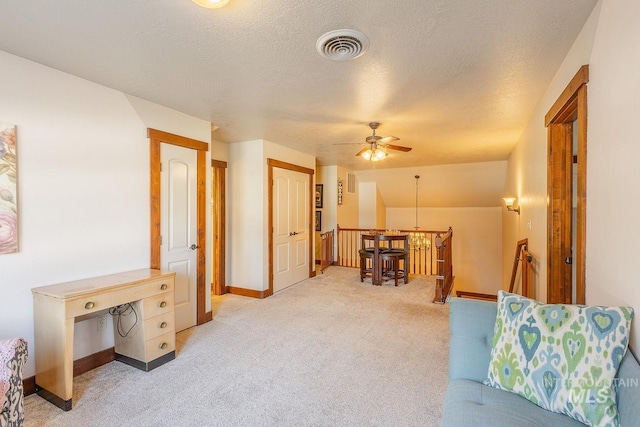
(470, 403)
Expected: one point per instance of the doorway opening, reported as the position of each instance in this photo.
(566, 122)
(218, 238)
(308, 217)
(156, 138)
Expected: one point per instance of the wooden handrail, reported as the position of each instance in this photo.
(434, 259)
(516, 259)
(326, 257)
(444, 278)
(522, 254)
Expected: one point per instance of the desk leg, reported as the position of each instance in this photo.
(53, 352)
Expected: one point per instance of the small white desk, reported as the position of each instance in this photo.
(149, 344)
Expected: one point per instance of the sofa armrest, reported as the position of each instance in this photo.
(13, 356)
(471, 325)
(628, 390)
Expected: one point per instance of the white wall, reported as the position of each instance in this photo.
(381, 211)
(613, 176)
(477, 241)
(348, 212)
(248, 203)
(367, 205)
(328, 176)
(527, 169)
(219, 151)
(245, 201)
(83, 183)
(608, 43)
(459, 185)
(372, 212)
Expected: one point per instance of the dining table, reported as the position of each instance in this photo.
(383, 241)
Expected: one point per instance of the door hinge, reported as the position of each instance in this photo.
(160, 166)
(568, 260)
(160, 240)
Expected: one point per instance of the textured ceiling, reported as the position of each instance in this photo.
(456, 80)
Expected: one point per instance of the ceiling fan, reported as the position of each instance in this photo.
(375, 144)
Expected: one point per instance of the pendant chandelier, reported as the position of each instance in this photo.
(418, 240)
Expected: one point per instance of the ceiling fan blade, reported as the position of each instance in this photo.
(350, 143)
(386, 139)
(397, 147)
(362, 151)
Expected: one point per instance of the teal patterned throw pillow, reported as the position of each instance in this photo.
(563, 358)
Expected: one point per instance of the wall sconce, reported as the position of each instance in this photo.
(509, 201)
(211, 4)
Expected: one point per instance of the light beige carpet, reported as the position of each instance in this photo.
(329, 351)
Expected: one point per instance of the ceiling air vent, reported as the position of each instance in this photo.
(342, 45)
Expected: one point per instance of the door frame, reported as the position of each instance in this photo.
(218, 195)
(156, 137)
(571, 105)
(272, 163)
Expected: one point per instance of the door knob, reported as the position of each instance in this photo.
(193, 247)
(293, 233)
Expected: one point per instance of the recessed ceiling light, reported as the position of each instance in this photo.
(211, 4)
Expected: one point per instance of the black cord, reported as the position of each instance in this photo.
(123, 310)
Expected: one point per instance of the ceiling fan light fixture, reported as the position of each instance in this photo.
(378, 155)
(374, 155)
(211, 4)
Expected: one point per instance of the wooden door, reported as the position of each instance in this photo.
(566, 247)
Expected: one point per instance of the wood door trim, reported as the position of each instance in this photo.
(218, 164)
(568, 94)
(272, 163)
(581, 229)
(560, 174)
(178, 140)
(156, 137)
(219, 243)
(571, 105)
(289, 166)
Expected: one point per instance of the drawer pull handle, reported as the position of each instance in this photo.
(163, 304)
(163, 345)
(163, 325)
(89, 305)
(163, 287)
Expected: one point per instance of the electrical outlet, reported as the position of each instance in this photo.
(102, 323)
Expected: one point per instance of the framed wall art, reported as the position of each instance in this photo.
(318, 220)
(319, 195)
(8, 190)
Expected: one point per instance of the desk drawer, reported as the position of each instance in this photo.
(157, 287)
(156, 305)
(159, 325)
(111, 297)
(154, 347)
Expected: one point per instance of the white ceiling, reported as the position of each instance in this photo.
(456, 80)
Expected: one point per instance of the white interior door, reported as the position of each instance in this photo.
(178, 228)
(291, 227)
